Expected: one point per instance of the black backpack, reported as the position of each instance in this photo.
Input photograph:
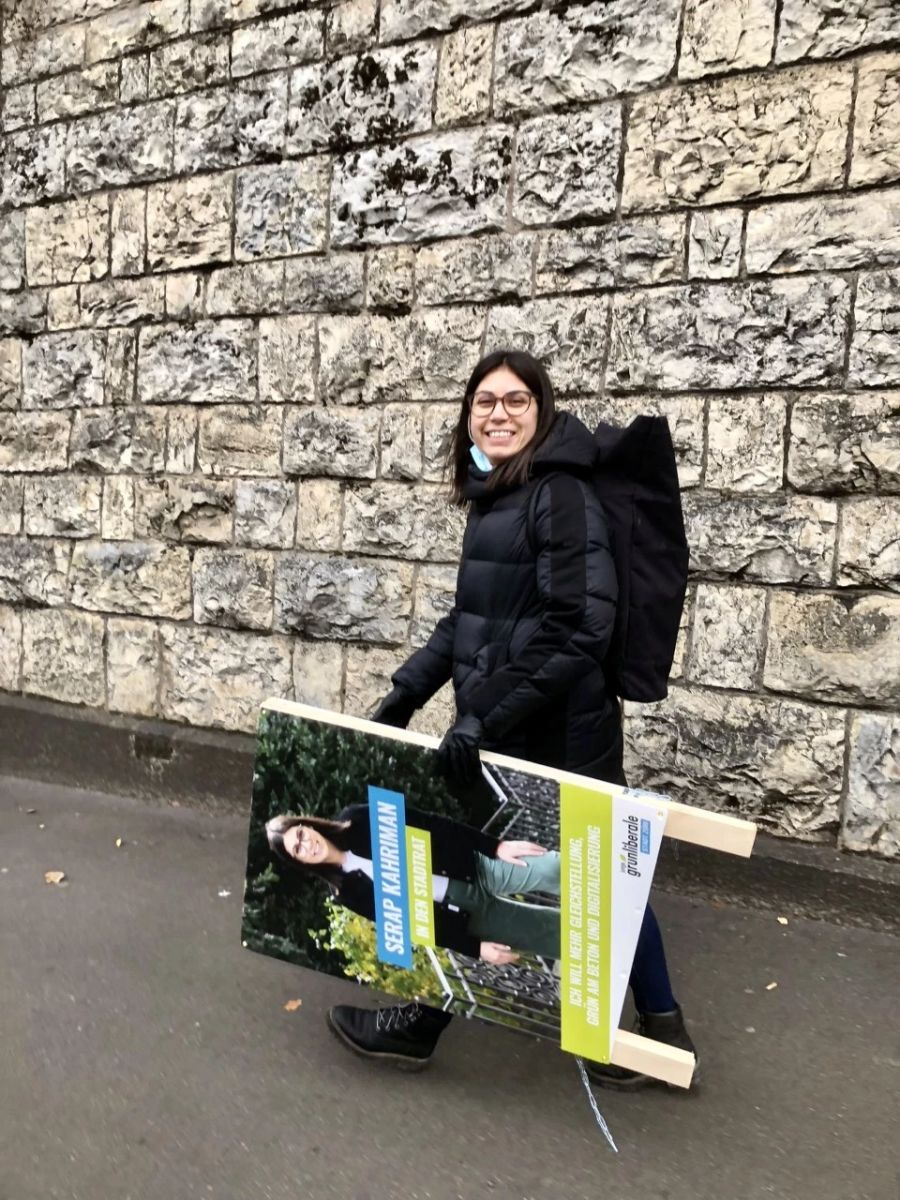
(637, 481)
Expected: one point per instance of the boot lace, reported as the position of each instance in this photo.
(398, 1016)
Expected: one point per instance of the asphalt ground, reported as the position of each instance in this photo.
(144, 1055)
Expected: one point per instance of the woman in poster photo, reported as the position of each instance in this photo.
(524, 645)
(473, 874)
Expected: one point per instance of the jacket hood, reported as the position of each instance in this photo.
(569, 446)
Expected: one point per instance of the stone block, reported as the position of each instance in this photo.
(726, 35)
(842, 647)
(50, 52)
(12, 251)
(319, 508)
(211, 362)
(132, 666)
(118, 148)
(445, 185)
(62, 656)
(65, 370)
(408, 18)
(567, 165)
(78, 92)
(279, 42)
(341, 442)
(471, 269)
(685, 415)
(19, 107)
(128, 232)
(181, 443)
(12, 488)
(830, 233)
(639, 251)
(63, 309)
(318, 669)
(230, 126)
(22, 312)
(33, 166)
(776, 762)
(185, 295)
(415, 524)
(121, 302)
(745, 451)
(814, 29)
(188, 65)
(135, 28)
(213, 14)
(439, 422)
(134, 78)
(568, 334)
(287, 348)
(871, 816)
(435, 597)
(401, 442)
(350, 26)
(390, 277)
(875, 157)
(131, 577)
(358, 599)
(729, 335)
(845, 443)
(10, 373)
(585, 53)
(184, 510)
(364, 98)
(875, 348)
(714, 246)
(281, 209)
(752, 135)
(438, 714)
(869, 543)
(113, 440)
(330, 284)
(33, 572)
(10, 649)
(189, 222)
(63, 506)
(240, 440)
(117, 513)
(34, 441)
(426, 356)
(368, 678)
(727, 638)
(777, 539)
(255, 287)
(265, 512)
(121, 356)
(464, 80)
(233, 588)
(218, 677)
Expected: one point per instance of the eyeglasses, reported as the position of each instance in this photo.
(482, 404)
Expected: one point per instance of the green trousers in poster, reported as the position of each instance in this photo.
(497, 918)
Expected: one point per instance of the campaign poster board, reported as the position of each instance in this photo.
(414, 893)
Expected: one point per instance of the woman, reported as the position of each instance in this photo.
(472, 873)
(524, 645)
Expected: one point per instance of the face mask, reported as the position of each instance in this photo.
(480, 459)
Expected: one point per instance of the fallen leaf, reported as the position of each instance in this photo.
(771, 986)
(42, 826)
(118, 843)
(31, 810)
(782, 920)
(292, 1005)
(54, 876)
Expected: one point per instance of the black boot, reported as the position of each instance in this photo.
(667, 1027)
(403, 1034)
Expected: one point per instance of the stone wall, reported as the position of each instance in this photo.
(250, 250)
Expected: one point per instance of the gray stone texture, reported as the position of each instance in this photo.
(780, 331)
(638, 251)
(566, 165)
(845, 443)
(229, 126)
(745, 451)
(281, 209)
(394, 519)
(187, 65)
(318, 672)
(332, 284)
(128, 229)
(264, 513)
(207, 363)
(714, 248)
(777, 762)
(825, 234)
(588, 52)
(63, 309)
(818, 29)
(132, 666)
(135, 28)
(62, 656)
(121, 302)
(350, 25)
(287, 348)
(876, 123)
(240, 440)
(10, 373)
(22, 312)
(33, 572)
(121, 147)
(68, 243)
(464, 80)
(233, 588)
(78, 92)
(390, 277)
(731, 139)
(401, 442)
(435, 594)
(66, 370)
(12, 490)
(407, 18)
(875, 349)
(872, 810)
(357, 599)
(34, 441)
(184, 510)
(279, 42)
(18, 107)
(10, 648)
(49, 53)
(845, 646)
(727, 636)
(444, 185)
(12, 250)
(131, 577)
(338, 441)
(117, 513)
(319, 514)
(33, 164)
(189, 222)
(63, 506)
(568, 334)
(494, 267)
(869, 543)
(254, 287)
(726, 35)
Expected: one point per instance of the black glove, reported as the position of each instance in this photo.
(395, 709)
(457, 754)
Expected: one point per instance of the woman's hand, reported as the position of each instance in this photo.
(496, 953)
(512, 852)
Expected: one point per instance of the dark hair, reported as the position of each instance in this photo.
(514, 471)
(334, 831)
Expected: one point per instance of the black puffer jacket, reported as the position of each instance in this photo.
(526, 638)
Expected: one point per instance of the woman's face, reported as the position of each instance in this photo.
(306, 845)
(497, 434)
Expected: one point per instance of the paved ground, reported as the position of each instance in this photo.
(145, 1056)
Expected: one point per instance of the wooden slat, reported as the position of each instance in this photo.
(652, 1058)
